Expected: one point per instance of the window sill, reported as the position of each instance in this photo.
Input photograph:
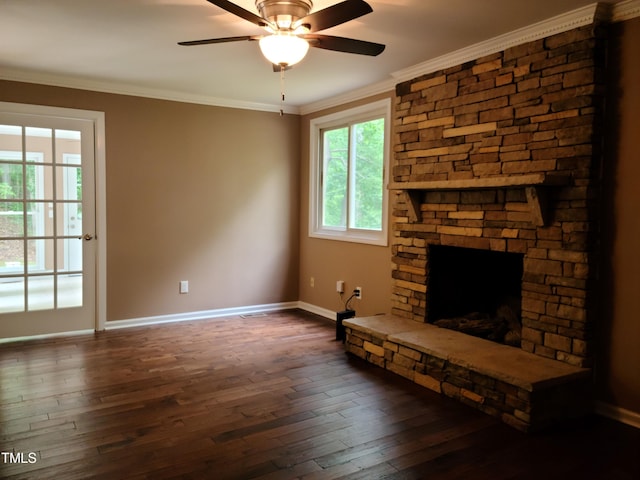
(374, 238)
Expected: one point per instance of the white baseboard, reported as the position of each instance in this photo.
(186, 317)
(200, 315)
(46, 336)
(323, 312)
(619, 414)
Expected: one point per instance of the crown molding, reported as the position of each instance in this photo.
(132, 90)
(596, 12)
(625, 10)
(558, 24)
(351, 96)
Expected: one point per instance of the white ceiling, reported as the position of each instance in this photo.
(130, 46)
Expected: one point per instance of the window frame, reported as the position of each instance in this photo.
(347, 118)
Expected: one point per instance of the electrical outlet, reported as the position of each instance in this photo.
(340, 286)
(184, 286)
(358, 292)
(312, 282)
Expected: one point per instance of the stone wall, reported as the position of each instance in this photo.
(532, 109)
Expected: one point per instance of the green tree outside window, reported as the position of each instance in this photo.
(353, 167)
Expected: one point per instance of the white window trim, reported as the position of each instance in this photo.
(364, 112)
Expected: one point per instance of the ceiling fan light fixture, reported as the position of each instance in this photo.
(284, 48)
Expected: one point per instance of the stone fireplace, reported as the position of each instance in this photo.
(500, 155)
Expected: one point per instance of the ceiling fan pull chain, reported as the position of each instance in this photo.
(282, 90)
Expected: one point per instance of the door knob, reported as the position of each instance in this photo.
(86, 236)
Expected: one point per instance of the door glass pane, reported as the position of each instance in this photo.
(40, 293)
(39, 219)
(10, 148)
(335, 147)
(68, 147)
(69, 221)
(13, 130)
(11, 181)
(40, 256)
(69, 183)
(69, 255)
(11, 257)
(367, 176)
(39, 182)
(69, 291)
(39, 140)
(11, 294)
(11, 219)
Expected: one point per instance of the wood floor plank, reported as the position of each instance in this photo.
(268, 397)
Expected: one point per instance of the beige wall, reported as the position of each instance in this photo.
(618, 372)
(195, 193)
(328, 261)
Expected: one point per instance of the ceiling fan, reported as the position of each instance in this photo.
(291, 29)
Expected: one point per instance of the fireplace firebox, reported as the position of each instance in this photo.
(476, 291)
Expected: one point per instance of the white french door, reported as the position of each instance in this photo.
(48, 241)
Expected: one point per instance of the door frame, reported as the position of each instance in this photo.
(98, 120)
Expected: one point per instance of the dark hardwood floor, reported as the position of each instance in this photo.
(268, 397)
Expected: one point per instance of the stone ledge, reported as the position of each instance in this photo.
(508, 364)
(524, 390)
(381, 326)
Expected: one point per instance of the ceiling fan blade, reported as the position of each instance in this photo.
(239, 11)
(335, 15)
(347, 45)
(208, 41)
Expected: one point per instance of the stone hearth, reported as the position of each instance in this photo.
(502, 154)
(524, 390)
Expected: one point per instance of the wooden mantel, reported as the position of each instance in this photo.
(532, 183)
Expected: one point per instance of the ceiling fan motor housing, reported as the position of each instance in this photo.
(284, 13)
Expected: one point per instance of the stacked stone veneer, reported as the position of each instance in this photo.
(524, 390)
(533, 108)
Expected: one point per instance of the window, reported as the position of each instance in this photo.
(349, 157)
